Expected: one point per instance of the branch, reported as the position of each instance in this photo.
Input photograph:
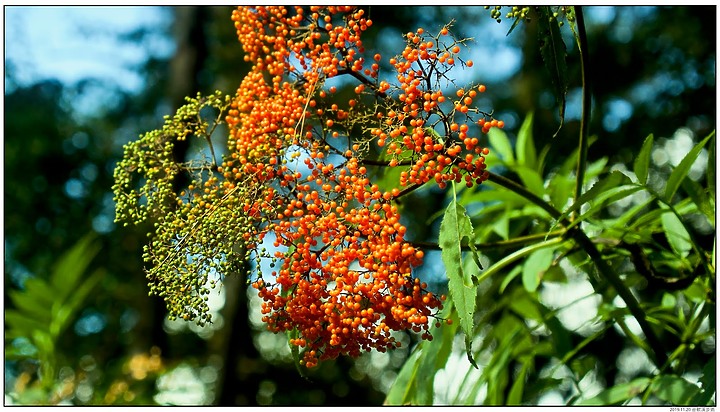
(586, 103)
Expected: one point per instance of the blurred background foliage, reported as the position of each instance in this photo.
(79, 325)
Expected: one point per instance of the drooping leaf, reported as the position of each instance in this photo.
(618, 393)
(642, 161)
(674, 389)
(552, 50)
(525, 146)
(682, 169)
(455, 227)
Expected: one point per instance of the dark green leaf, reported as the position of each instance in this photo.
(618, 393)
(552, 50)
(682, 169)
(673, 389)
(642, 161)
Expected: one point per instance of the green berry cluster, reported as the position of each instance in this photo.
(201, 231)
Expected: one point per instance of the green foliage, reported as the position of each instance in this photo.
(42, 313)
(513, 348)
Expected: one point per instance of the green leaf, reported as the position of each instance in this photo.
(535, 265)
(501, 145)
(516, 391)
(704, 203)
(674, 389)
(29, 306)
(525, 146)
(455, 227)
(676, 234)
(611, 181)
(642, 161)
(682, 169)
(560, 189)
(72, 265)
(401, 390)
(552, 50)
(618, 393)
(518, 254)
(710, 172)
(531, 179)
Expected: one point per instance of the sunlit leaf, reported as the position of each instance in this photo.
(500, 144)
(525, 146)
(642, 161)
(531, 179)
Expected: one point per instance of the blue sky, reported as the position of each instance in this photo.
(74, 43)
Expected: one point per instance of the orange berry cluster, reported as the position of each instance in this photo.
(345, 271)
(429, 130)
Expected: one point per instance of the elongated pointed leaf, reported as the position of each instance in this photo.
(501, 145)
(401, 390)
(455, 227)
(618, 393)
(642, 161)
(613, 180)
(72, 265)
(682, 169)
(518, 387)
(525, 146)
(710, 172)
